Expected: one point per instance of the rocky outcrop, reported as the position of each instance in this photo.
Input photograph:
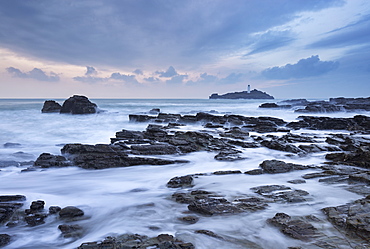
(51, 106)
(254, 94)
(78, 104)
(164, 241)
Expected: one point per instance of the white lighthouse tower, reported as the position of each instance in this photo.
(249, 88)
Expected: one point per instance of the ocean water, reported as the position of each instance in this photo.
(136, 199)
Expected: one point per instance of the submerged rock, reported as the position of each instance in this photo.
(70, 212)
(4, 239)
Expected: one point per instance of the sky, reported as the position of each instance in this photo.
(184, 49)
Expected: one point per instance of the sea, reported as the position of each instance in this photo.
(136, 199)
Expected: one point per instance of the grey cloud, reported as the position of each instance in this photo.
(309, 67)
(270, 40)
(138, 72)
(128, 33)
(90, 71)
(178, 79)
(89, 79)
(35, 73)
(169, 73)
(352, 34)
(151, 79)
(124, 77)
(232, 78)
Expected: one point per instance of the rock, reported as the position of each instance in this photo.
(54, 209)
(227, 172)
(276, 166)
(4, 239)
(269, 105)
(12, 145)
(12, 198)
(70, 212)
(180, 182)
(297, 181)
(46, 160)
(359, 158)
(282, 146)
(162, 241)
(155, 111)
(274, 192)
(295, 228)
(254, 94)
(35, 219)
(36, 207)
(320, 107)
(352, 218)
(190, 219)
(7, 210)
(154, 149)
(78, 105)
(229, 155)
(254, 172)
(71, 231)
(51, 106)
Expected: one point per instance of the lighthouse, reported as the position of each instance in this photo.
(249, 88)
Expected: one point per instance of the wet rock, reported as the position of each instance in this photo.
(47, 160)
(213, 126)
(12, 198)
(295, 228)
(277, 166)
(254, 172)
(54, 209)
(163, 241)
(209, 233)
(352, 218)
(155, 149)
(70, 212)
(360, 177)
(78, 105)
(51, 106)
(359, 158)
(36, 207)
(282, 146)
(71, 231)
(227, 172)
(213, 206)
(229, 155)
(297, 181)
(269, 188)
(236, 133)
(190, 219)
(155, 111)
(180, 182)
(320, 107)
(4, 239)
(281, 193)
(35, 219)
(269, 105)
(12, 145)
(7, 210)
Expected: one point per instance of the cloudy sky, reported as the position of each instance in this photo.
(184, 49)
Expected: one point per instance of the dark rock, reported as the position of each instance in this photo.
(269, 188)
(46, 160)
(297, 181)
(11, 198)
(282, 146)
(275, 192)
(35, 219)
(54, 209)
(360, 177)
(4, 239)
(70, 212)
(180, 181)
(276, 166)
(51, 106)
(213, 126)
(7, 210)
(78, 105)
(209, 233)
(352, 218)
(236, 133)
(269, 105)
(190, 219)
(213, 206)
(71, 231)
(12, 145)
(295, 228)
(140, 118)
(229, 155)
(320, 107)
(254, 172)
(359, 158)
(155, 111)
(155, 149)
(227, 172)
(36, 207)
(126, 241)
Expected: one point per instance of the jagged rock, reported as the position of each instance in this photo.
(78, 105)
(71, 231)
(7, 210)
(295, 228)
(162, 241)
(297, 181)
(154, 149)
(54, 209)
(254, 172)
(12, 198)
(35, 219)
(276, 166)
(229, 155)
(359, 158)
(227, 172)
(47, 160)
(4, 239)
(70, 212)
(190, 219)
(36, 207)
(320, 107)
(269, 105)
(276, 193)
(352, 218)
(51, 106)
(180, 181)
(282, 146)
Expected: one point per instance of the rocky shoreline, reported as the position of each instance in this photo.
(347, 162)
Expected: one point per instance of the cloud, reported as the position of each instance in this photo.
(178, 79)
(90, 71)
(151, 79)
(309, 67)
(35, 73)
(169, 73)
(353, 34)
(124, 77)
(232, 78)
(270, 40)
(129, 33)
(138, 72)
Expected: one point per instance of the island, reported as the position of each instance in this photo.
(254, 94)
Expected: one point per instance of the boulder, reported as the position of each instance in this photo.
(51, 106)
(71, 231)
(4, 239)
(277, 166)
(70, 212)
(78, 105)
(180, 181)
(47, 160)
